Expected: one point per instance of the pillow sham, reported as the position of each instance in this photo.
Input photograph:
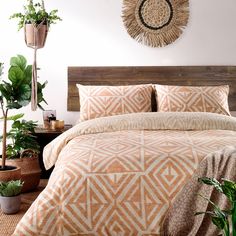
(192, 99)
(100, 101)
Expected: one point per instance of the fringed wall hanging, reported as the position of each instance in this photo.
(155, 23)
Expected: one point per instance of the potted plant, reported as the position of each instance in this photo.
(10, 196)
(36, 21)
(15, 93)
(224, 220)
(22, 151)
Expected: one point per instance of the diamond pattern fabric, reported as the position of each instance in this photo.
(193, 99)
(100, 101)
(118, 175)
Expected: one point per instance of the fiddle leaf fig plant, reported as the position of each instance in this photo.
(224, 220)
(17, 90)
(15, 93)
(36, 14)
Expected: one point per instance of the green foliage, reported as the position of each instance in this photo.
(14, 94)
(21, 136)
(36, 14)
(219, 217)
(15, 117)
(11, 188)
(17, 90)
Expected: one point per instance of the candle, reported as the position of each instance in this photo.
(57, 124)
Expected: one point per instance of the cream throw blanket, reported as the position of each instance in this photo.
(137, 121)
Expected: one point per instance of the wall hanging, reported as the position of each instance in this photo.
(155, 23)
(36, 21)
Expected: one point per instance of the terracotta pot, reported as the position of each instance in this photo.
(35, 36)
(30, 172)
(10, 205)
(10, 173)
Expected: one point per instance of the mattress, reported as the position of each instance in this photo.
(118, 175)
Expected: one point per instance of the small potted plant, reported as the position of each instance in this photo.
(10, 198)
(224, 220)
(22, 151)
(36, 21)
(15, 93)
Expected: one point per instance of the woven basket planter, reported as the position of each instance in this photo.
(10, 174)
(35, 36)
(30, 170)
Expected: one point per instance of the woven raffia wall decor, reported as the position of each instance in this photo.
(155, 23)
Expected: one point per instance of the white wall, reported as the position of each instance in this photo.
(92, 34)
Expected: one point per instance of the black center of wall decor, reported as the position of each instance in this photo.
(158, 27)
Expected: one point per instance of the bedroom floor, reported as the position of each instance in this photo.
(8, 222)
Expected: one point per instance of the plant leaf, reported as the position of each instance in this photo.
(16, 76)
(229, 192)
(205, 212)
(11, 188)
(18, 61)
(28, 74)
(24, 97)
(219, 222)
(15, 117)
(211, 181)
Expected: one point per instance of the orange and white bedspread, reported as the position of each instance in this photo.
(118, 175)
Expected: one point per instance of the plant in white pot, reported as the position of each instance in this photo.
(10, 198)
(15, 93)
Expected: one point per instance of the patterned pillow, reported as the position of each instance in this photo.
(99, 101)
(193, 99)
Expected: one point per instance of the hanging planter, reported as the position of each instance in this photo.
(35, 36)
(36, 22)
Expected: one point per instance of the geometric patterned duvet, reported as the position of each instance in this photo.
(118, 175)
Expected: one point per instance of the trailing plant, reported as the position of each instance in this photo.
(36, 14)
(21, 137)
(222, 218)
(15, 93)
(11, 188)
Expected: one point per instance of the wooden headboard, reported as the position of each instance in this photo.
(171, 75)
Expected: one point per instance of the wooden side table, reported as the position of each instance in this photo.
(45, 136)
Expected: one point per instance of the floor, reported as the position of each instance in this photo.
(8, 222)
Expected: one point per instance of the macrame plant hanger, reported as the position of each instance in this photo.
(35, 37)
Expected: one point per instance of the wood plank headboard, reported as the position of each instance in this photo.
(171, 75)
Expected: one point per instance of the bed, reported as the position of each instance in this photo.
(118, 175)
